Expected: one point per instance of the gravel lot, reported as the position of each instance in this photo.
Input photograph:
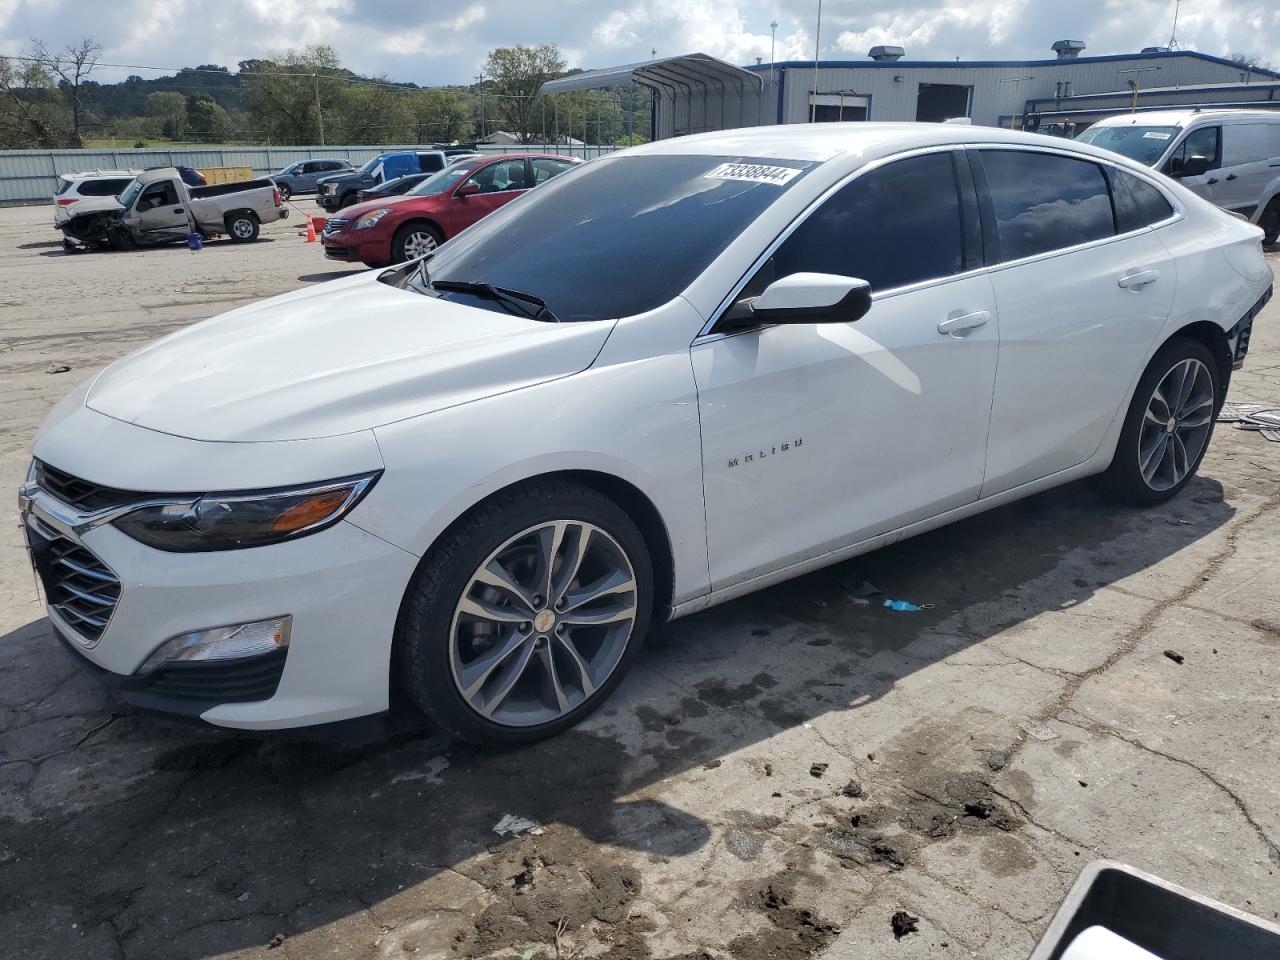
(777, 778)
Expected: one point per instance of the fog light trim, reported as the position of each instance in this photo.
(234, 642)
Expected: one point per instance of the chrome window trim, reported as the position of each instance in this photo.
(706, 335)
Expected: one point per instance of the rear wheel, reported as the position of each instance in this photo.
(1168, 426)
(1270, 221)
(414, 240)
(242, 227)
(527, 615)
(285, 191)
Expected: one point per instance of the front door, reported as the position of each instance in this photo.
(496, 183)
(1201, 142)
(1080, 307)
(161, 213)
(818, 436)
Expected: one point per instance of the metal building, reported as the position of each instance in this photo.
(697, 92)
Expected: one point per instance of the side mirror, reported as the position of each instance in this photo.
(1194, 167)
(470, 188)
(803, 298)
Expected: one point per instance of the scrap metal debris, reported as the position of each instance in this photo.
(906, 606)
(512, 825)
(56, 368)
(1261, 417)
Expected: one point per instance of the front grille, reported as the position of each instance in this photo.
(335, 224)
(83, 495)
(79, 587)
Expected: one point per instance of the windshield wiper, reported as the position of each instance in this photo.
(526, 304)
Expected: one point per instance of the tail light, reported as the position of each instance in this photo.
(67, 202)
(275, 196)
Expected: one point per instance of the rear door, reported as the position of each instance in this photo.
(1081, 300)
(1246, 166)
(499, 182)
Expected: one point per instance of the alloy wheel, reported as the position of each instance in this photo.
(418, 244)
(242, 228)
(543, 623)
(1176, 425)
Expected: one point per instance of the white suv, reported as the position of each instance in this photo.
(1231, 157)
(84, 192)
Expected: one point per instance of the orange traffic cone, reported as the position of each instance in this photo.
(311, 230)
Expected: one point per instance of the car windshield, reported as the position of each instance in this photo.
(369, 164)
(442, 180)
(1144, 144)
(130, 194)
(615, 237)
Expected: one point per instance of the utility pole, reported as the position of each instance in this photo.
(817, 46)
(1136, 83)
(1017, 82)
(773, 44)
(319, 113)
(480, 95)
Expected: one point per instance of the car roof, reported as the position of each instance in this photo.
(1178, 118)
(821, 142)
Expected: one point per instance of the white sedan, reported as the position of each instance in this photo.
(673, 376)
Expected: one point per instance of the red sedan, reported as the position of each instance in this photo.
(396, 229)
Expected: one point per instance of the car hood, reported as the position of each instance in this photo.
(339, 357)
(357, 210)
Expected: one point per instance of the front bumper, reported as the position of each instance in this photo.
(330, 201)
(341, 586)
(343, 246)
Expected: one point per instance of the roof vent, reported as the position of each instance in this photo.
(1154, 50)
(1068, 49)
(885, 54)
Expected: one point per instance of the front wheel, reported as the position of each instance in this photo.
(525, 618)
(242, 227)
(1168, 426)
(414, 240)
(1270, 221)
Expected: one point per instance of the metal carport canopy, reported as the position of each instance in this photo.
(662, 74)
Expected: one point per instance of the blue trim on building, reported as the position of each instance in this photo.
(1165, 91)
(968, 64)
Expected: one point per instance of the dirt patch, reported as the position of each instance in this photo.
(721, 695)
(794, 932)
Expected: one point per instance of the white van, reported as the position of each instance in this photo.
(1231, 157)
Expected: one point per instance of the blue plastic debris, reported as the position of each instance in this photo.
(903, 606)
(195, 242)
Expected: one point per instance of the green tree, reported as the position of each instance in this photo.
(513, 76)
(206, 118)
(71, 68)
(285, 93)
(169, 110)
(32, 112)
(439, 116)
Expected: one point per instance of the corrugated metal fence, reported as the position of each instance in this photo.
(31, 176)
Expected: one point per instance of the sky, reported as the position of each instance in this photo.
(441, 43)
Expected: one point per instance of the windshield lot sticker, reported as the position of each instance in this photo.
(1156, 135)
(753, 173)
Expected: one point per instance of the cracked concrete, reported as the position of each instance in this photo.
(1028, 723)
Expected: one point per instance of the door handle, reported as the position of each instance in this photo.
(1231, 176)
(178, 210)
(964, 321)
(1211, 181)
(1138, 279)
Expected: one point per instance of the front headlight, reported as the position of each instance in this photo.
(329, 187)
(233, 521)
(371, 219)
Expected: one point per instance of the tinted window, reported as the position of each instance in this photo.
(1246, 143)
(1045, 202)
(1138, 203)
(617, 236)
(544, 170)
(504, 175)
(893, 226)
(1205, 142)
(103, 188)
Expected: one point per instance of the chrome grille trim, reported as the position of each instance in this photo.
(81, 591)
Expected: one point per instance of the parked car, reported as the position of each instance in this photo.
(158, 207)
(1231, 157)
(301, 177)
(336, 191)
(775, 350)
(84, 192)
(402, 185)
(391, 231)
(189, 175)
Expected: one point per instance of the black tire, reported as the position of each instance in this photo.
(243, 226)
(1124, 480)
(347, 199)
(423, 637)
(403, 237)
(1270, 221)
(285, 191)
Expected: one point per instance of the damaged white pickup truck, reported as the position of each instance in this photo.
(159, 208)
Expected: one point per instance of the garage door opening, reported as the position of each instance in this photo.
(942, 101)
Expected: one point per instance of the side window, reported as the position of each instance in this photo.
(327, 165)
(1245, 143)
(544, 170)
(896, 225)
(103, 188)
(158, 195)
(1138, 203)
(1043, 201)
(505, 175)
(1205, 142)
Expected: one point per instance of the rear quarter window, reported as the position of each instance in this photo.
(1045, 201)
(1138, 203)
(103, 188)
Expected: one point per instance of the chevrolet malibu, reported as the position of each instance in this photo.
(668, 378)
